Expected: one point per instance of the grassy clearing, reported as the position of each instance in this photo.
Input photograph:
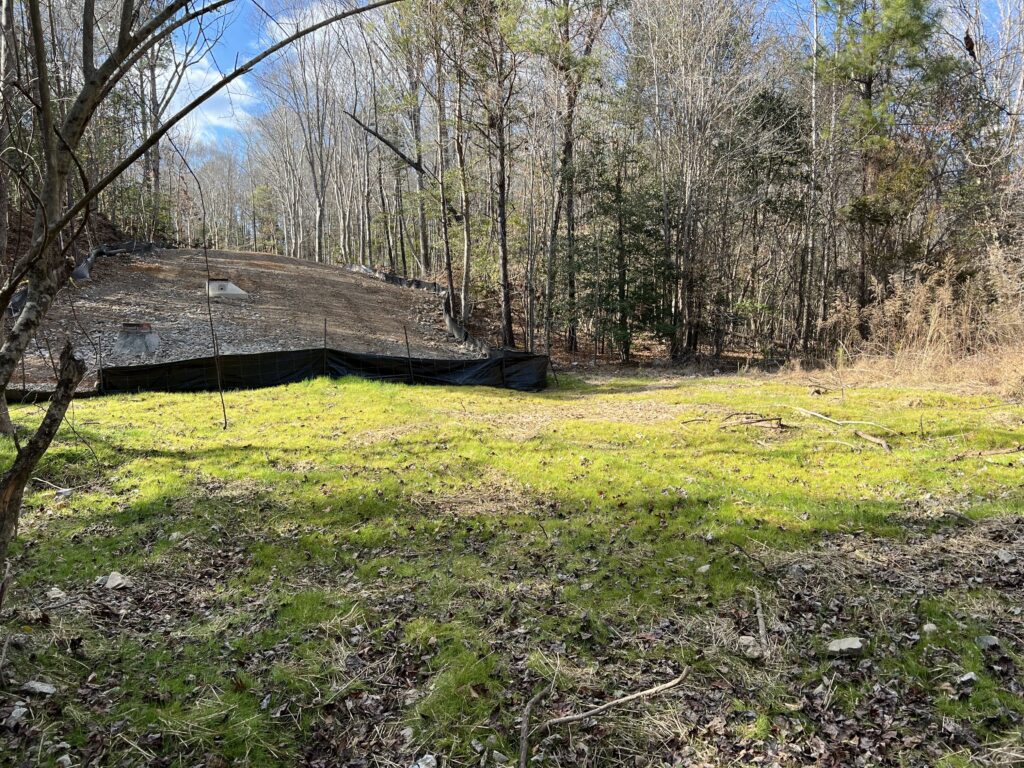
(365, 572)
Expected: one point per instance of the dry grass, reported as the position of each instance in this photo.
(958, 326)
(998, 371)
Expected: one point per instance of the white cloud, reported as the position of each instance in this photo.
(226, 111)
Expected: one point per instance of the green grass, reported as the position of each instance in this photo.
(351, 559)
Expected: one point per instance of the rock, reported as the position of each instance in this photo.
(704, 569)
(1005, 556)
(35, 686)
(113, 580)
(16, 716)
(796, 572)
(64, 761)
(56, 593)
(427, 761)
(846, 646)
(501, 758)
(987, 642)
(750, 647)
(969, 679)
(176, 536)
(407, 734)
(929, 629)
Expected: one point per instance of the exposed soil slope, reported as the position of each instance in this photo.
(287, 304)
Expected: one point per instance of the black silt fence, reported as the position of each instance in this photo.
(510, 370)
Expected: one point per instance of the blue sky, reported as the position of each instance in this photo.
(237, 37)
(242, 31)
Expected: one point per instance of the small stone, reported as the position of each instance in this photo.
(750, 647)
(176, 536)
(64, 761)
(929, 629)
(796, 572)
(16, 716)
(427, 761)
(477, 746)
(501, 758)
(56, 593)
(704, 569)
(115, 580)
(846, 646)
(969, 679)
(407, 733)
(987, 642)
(1005, 556)
(35, 686)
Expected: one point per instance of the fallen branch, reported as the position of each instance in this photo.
(762, 629)
(872, 439)
(413, 164)
(776, 420)
(993, 452)
(842, 423)
(548, 725)
(524, 728)
(524, 736)
(752, 558)
(739, 413)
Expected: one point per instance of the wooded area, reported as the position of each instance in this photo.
(698, 176)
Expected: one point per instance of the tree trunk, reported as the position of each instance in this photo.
(6, 91)
(442, 167)
(569, 179)
(14, 480)
(467, 240)
(386, 213)
(421, 188)
(507, 332)
(154, 152)
(620, 268)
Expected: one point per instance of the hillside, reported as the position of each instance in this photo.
(287, 305)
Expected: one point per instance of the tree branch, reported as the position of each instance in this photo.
(414, 164)
(197, 102)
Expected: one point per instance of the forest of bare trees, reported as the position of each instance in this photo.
(690, 176)
(686, 177)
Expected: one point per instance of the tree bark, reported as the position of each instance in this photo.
(501, 140)
(467, 237)
(442, 168)
(620, 268)
(14, 480)
(6, 91)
